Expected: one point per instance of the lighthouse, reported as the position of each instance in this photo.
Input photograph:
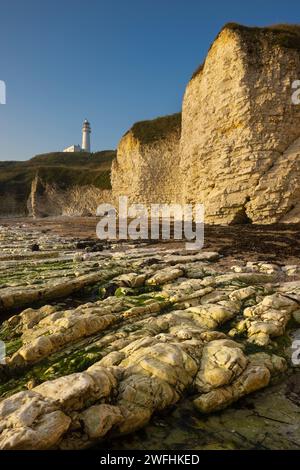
(86, 130)
(86, 143)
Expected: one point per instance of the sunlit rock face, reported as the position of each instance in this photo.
(147, 165)
(239, 138)
(47, 199)
(240, 127)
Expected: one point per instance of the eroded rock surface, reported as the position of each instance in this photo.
(147, 328)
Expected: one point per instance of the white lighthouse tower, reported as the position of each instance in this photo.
(86, 130)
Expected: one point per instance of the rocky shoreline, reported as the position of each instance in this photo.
(103, 340)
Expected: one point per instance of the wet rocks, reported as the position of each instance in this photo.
(99, 419)
(96, 366)
(252, 379)
(256, 374)
(165, 275)
(73, 391)
(29, 421)
(267, 319)
(222, 362)
(212, 315)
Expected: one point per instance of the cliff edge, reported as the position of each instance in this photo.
(56, 184)
(238, 145)
(148, 158)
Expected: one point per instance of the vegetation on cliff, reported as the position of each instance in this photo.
(156, 129)
(63, 169)
(282, 35)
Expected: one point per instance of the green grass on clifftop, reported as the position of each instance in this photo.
(62, 168)
(284, 35)
(77, 159)
(156, 129)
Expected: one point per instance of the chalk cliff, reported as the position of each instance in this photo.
(148, 159)
(48, 199)
(234, 147)
(238, 150)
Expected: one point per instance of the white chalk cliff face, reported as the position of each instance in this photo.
(49, 200)
(147, 167)
(239, 136)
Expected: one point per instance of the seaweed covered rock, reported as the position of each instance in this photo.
(140, 334)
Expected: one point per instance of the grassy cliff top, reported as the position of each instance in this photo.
(74, 159)
(283, 35)
(156, 129)
(62, 168)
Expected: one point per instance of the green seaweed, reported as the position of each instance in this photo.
(156, 129)
(13, 346)
(252, 348)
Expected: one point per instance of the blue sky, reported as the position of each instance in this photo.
(113, 61)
